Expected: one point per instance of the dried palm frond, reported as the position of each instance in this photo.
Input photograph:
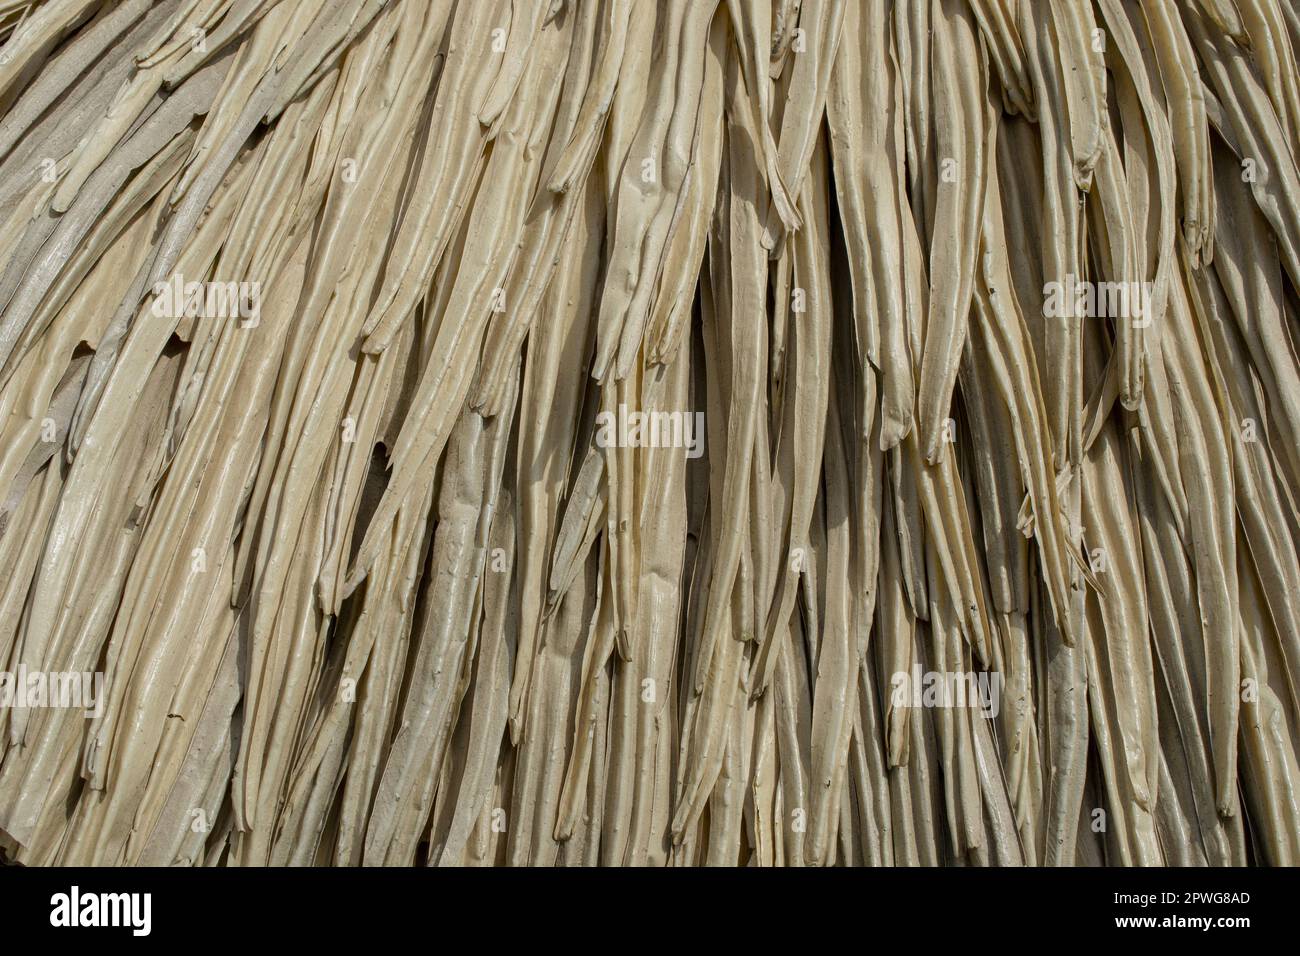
(575, 432)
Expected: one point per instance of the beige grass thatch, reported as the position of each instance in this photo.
(532, 432)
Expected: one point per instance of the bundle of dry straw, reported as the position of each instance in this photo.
(767, 432)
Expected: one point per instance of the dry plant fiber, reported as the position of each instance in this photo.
(616, 432)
